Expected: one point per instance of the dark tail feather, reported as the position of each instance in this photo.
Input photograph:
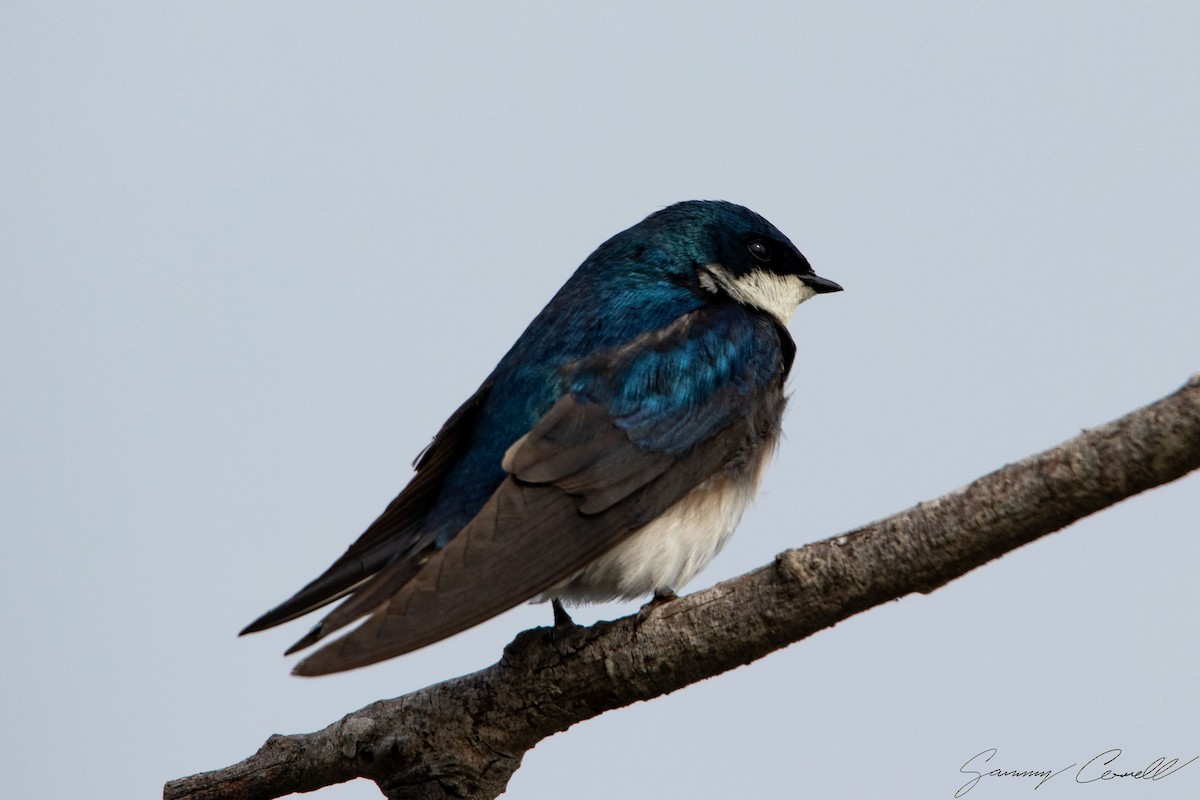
(338, 581)
(367, 597)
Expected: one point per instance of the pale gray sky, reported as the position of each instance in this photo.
(253, 254)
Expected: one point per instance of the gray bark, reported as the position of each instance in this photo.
(465, 737)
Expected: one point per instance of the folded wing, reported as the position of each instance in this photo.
(635, 429)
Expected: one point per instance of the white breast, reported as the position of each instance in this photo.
(672, 549)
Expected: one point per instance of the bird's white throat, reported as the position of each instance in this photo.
(778, 295)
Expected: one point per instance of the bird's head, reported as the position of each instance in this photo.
(728, 250)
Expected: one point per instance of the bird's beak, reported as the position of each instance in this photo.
(819, 285)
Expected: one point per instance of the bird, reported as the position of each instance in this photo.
(608, 456)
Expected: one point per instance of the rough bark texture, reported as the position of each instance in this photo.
(465, 737)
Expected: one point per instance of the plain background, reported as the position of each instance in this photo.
(253, 254)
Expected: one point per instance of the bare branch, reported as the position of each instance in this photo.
(465, 737)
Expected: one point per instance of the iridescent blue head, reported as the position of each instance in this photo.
(714, 248)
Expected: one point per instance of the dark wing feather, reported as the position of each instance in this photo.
(594, 469)
(527, 538)
(394, 535)
(578, 448)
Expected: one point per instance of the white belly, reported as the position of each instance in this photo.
(669, 551)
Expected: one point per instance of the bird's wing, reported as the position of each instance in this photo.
(395, 532)
(636, 429)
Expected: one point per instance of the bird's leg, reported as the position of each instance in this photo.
(561, 618)
(563, 624)
(663, 595)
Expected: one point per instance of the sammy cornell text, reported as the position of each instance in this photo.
(1105, 767)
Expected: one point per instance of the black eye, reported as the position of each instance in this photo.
(759, 250)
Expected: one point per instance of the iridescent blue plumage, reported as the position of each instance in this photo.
(669, 398)
(640, 280)
(651, 381)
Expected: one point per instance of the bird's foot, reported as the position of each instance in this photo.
(563, 624)
(661, 596)
(558, 633)
(561, 618)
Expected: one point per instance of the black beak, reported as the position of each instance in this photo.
(819, 285)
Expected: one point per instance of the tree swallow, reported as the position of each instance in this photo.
(610, 453)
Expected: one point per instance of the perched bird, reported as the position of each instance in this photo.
(610, 453)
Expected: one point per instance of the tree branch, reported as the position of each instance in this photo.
(465, 737)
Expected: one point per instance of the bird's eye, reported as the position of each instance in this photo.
(759, 250)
